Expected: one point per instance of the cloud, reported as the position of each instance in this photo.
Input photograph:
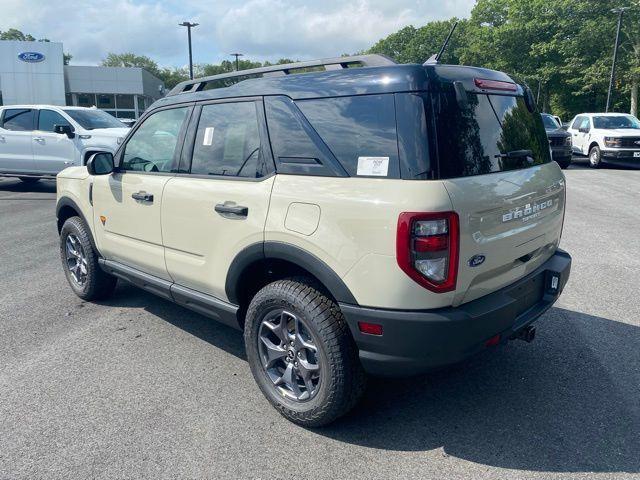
(261, 29)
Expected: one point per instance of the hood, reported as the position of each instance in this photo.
(109, 132)
(619, 132)
(557, 132)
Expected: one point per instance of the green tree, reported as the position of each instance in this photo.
(15, 34)
(131, 60)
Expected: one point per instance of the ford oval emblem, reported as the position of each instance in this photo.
(31, 57)
(476, 260)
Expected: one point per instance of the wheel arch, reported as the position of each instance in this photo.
(593, 144)
(262, 263)
(67, 208)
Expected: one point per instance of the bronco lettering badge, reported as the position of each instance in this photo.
(527, 212)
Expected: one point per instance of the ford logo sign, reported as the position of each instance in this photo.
(31, 57)
(476, 260)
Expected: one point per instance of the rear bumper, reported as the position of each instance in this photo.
(417, 341)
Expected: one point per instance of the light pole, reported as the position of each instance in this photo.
(189, 26)
(237, 63)
(620, 11)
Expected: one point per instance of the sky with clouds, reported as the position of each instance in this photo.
(261, 29)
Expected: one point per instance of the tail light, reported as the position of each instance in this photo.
(485, 84)
(427, 249)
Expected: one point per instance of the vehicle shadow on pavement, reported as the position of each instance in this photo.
(17, 186)
(209, 330)
(568, 402)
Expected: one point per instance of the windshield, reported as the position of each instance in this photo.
(617, 121)
(494, 133)
(549, 122)
(90, 119)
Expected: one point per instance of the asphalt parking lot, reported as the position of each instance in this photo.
(137, 387)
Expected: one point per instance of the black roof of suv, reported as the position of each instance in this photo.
(378, 75)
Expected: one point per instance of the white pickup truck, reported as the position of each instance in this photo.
(607, 138)
(39, 141)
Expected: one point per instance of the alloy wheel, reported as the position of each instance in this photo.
(76, 260)
(289, 355)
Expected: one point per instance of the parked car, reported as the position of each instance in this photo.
(128, 122)
(38, 141)
(388, 219)
(559, 140)
(607, 138)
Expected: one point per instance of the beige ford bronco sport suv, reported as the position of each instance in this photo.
(386, 220)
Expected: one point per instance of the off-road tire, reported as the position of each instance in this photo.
(595, 157)
(98, 284)
(344, 380)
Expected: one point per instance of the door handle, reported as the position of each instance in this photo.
(231, 210)
(38, 139)
(143, 196)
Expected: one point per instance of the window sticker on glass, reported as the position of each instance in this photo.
(373, 166)
(208, 136)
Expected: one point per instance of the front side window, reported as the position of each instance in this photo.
(152, 147)
(48, 118)
(584, 124)
(18, 119)
(228, 141)
(576, 123)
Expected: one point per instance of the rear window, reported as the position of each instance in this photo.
(495, 133)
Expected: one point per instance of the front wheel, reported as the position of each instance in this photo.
(80, 262)
(595, 157)
(301, 353)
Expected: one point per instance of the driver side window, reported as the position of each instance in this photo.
(152, 148)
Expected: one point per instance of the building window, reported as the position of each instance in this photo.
(126, 114)
(125, 102)
(68, 100)
(86, 99)
(106, 101)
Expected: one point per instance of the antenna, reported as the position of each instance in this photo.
(436, 58)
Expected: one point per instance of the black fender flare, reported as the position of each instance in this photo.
(287, 252)
(68, 202)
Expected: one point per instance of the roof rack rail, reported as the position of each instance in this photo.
(198, 84)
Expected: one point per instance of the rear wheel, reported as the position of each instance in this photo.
(301, 353)
(28, 180)
(80, 262)
(595, 157)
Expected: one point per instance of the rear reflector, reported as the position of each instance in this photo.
(495, 85)
(370, 328)
(493, 341)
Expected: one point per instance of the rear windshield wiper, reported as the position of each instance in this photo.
(515, 154)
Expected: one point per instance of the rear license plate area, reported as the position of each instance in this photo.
(527, 294)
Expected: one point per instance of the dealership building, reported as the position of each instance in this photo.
(34, 73)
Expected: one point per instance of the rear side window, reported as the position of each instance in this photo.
(494, 133)
(228, 141)
(18, 119)
(356, 128)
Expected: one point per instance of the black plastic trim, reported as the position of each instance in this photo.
(287, 252)
(67, 202)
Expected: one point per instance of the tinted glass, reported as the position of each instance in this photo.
(549, 122)
(617, 121)
(152, 148)
(297, 147)
(576, 123)
(48, 118)
(18, 119)
(228, 141)
(494, 133)
(90, 119)
(585, 123)
(355, 127)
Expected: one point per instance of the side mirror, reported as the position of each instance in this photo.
(64, 129)
(100, 164)
(583, 130)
